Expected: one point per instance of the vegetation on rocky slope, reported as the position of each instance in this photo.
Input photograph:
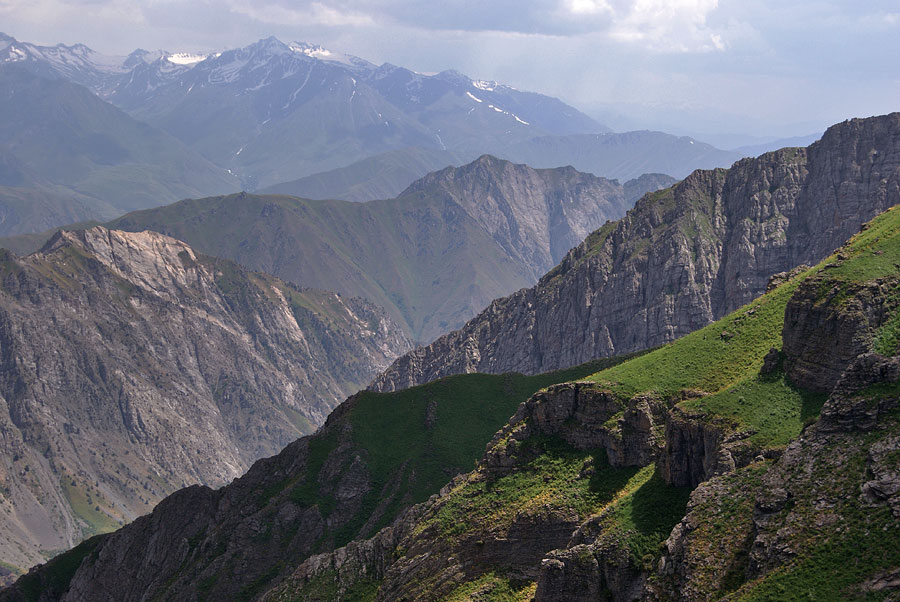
(377, 455)
(551, 513)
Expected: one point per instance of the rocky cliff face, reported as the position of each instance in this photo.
(132, 366)
(831, 500)
(828, 323)
(680, 259)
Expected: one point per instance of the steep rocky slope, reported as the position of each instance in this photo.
(581, 496)
(432, 257)
(133, 366)
(680, 259)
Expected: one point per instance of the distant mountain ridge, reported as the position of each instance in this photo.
(432, 257)
(245, 109)
(381, 176)
(680, 259)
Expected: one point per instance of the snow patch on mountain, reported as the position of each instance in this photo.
(323, 54)
(185, 58)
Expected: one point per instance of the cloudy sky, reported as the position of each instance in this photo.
(703, 67)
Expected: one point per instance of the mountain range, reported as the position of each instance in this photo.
(432, 257)
(751, 459)
(696, 398)
(273, 112)
(133, 366)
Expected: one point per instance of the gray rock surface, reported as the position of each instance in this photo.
(131, 367)
(828, 323)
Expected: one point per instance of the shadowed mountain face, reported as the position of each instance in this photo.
(680, 259)
(66, 155)
(133, 366)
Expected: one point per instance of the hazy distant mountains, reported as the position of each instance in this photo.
(66, 155)
(432, 257)
(274, 112)
(381, 176)
(753, 150)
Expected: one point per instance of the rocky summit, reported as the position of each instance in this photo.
(680, 259)
(133, 366)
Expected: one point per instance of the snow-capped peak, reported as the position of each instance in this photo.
(313, 50)
(15, 54)
(323, 54)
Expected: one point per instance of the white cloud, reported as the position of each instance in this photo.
(314, 13)
(589, 7)
(658, 25)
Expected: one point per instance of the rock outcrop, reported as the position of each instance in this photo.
(828, 323)
(132, 366)
(834, 488)
(587, 417)
(680, 259)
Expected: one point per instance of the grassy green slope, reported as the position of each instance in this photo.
(722, 362)
(413, 441)
(719, 369)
